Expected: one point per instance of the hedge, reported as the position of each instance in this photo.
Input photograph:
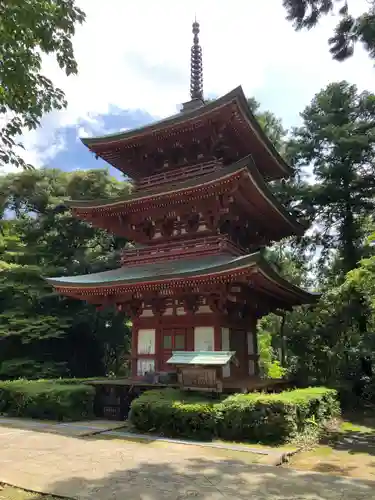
(275, 417)
(44, 399)
(255, 417)
(171, 412)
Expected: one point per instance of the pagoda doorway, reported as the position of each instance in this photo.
(173, 339)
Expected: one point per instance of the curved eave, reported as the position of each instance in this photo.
(182, 270)
(161, 125)
(302, 296)
(153, 195)
(257, 180)
(255, 127)
(96, 144)
(234, 270)
(245, 167)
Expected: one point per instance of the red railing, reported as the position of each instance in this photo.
(177, 175)
(211, 245)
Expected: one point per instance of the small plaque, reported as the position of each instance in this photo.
(112, 412)
(199, 379)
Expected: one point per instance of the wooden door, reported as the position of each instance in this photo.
(173, 339)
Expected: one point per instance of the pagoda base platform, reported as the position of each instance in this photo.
(114, 396)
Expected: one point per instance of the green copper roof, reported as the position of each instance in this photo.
(182, 269)
(237, 93)
(214, 358)
(157, 271)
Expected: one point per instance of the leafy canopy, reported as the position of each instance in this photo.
(349, 29)
(29, 29)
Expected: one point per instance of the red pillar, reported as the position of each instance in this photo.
(134, 347)
(158, 343)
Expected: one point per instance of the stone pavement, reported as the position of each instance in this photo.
(100, 469)
(76, 429)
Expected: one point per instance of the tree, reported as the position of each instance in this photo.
(271, 125)
(42, 333)
(29, 29)
(349, 30)
(363, 278)
(337, 139)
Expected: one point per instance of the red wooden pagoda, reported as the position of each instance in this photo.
(199, 213)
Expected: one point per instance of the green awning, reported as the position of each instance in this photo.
(214, 358)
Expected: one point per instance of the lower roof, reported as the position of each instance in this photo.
(179, 272)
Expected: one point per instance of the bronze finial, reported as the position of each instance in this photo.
(196, 71)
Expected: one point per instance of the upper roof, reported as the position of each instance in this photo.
(275, 166)
(181, 272)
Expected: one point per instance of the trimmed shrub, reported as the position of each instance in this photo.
(170, 412)
(275, 417)
(44, 399)
(255, 417)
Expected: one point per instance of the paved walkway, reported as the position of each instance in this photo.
(101, 469)
(117, 429)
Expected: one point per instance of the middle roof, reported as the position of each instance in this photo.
(242, 180)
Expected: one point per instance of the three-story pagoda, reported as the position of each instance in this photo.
(200, 211)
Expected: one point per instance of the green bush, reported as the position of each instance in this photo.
(31, 369)
(275, 417)
(253, 417)
(45, 399)
(173, 413)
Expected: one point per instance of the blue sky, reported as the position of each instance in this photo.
(133, 60)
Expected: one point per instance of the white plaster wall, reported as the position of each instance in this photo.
(204, 309)
(144, 366)
(251, 367)
(204, 338)
(146, 341)
(250, 343)
(146, 313)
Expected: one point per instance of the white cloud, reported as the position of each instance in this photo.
(135, 55)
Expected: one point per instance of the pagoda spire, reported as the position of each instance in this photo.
(196, 67)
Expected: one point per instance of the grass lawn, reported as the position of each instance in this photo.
(11, 493)
(348, 449)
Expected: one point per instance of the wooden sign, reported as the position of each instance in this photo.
(199, 379)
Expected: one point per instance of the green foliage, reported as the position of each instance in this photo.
(31, 369)
(246, 417)
(275, 370)
(46, 400)
(324, 342)
(29, 29)
(362, 278)
(271, 125)
(349, 29)
(173, 413)
(41, 333)
(269, 365)
(275, 417)
(337, 139)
